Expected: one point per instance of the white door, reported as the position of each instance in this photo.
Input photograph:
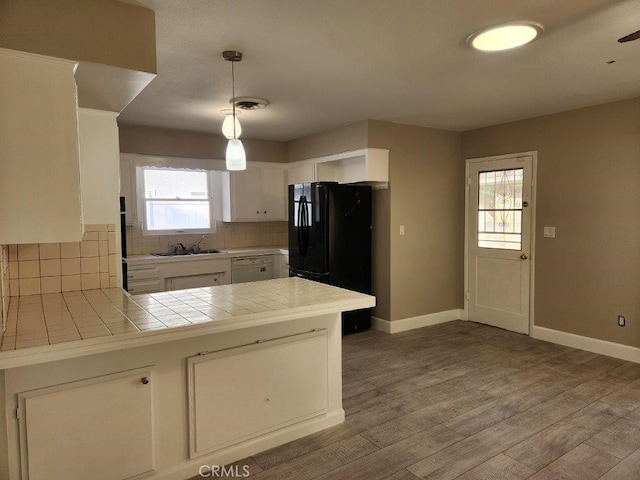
(499, 196)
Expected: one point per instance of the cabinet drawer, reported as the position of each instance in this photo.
(144, 286)
(142, 272)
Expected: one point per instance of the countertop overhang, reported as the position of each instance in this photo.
(53, 327)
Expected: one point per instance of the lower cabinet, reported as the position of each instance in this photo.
(240, 393)
(197, 281)
(100, 428)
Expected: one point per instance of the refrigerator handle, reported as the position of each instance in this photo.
(299, 226)
(304, 226)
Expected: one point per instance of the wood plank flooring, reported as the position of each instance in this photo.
(466, 401)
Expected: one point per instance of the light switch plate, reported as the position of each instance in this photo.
(401, 229)
(550, 232)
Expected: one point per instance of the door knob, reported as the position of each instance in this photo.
(144, 380)
(524, 256)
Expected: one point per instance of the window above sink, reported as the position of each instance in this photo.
(175, 200)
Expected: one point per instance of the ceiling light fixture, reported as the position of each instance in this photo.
(236, 158)
(228, 124)
(505, 37)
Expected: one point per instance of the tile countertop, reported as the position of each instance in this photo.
(224, 253)
(57, 326)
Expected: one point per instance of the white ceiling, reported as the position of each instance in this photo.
(327, 63)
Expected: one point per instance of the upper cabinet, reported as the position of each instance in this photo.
(40, 198)
(99, 157)
(257, 194)
(366, 166)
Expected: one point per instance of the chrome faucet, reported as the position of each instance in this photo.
(196, 247)
(178, 247)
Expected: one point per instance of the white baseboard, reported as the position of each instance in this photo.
(405, 324)
(189, 468)
(602, 347)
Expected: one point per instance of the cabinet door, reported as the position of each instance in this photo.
(98, 428)
(245, 195)
(197, 281)
(273, 194)
(39, 150)
(301, 174)
(244, 392)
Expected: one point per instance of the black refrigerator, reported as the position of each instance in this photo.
(330, 240)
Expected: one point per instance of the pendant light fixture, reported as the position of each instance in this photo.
(236, 158)
(229, 126)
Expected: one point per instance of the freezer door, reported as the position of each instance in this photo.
(350, 237)
(308, 233)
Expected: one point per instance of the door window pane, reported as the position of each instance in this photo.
(500, 209)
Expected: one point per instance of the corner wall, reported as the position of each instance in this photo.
(424, 272)
(588, 187)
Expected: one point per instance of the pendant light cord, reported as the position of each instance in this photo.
(233, 96)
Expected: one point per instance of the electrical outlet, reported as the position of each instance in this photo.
(621, 321)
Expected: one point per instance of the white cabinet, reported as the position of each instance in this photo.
(157, 275)
(197, 281)
(301, 173)
(143, 278)
(39, 151)
(368, 166)
(203, 271)
(240, 393)
(99, 156)
(257, 194)
(100, 428)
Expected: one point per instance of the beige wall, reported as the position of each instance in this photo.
(100, 31)
(344, 139)
(425, 195)
(181, 143)
(589, 189)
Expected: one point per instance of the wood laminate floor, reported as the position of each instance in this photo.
(466, 401)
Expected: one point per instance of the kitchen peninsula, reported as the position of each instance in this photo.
(114, 385)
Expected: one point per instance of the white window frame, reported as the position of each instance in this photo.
(142, 202)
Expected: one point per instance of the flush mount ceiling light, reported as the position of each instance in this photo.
(228, 127)
(236, 158)
(505, 37)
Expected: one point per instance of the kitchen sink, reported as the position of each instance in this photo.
(187, 252)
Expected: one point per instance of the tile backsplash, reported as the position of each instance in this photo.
(227, 235)
(65, 267)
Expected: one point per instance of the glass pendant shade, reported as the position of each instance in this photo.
(227, 126)
(236, 158)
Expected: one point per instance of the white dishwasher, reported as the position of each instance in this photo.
(251, 269)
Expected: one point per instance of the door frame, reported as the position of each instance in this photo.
(532, 254)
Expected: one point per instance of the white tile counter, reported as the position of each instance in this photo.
(50, 327)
